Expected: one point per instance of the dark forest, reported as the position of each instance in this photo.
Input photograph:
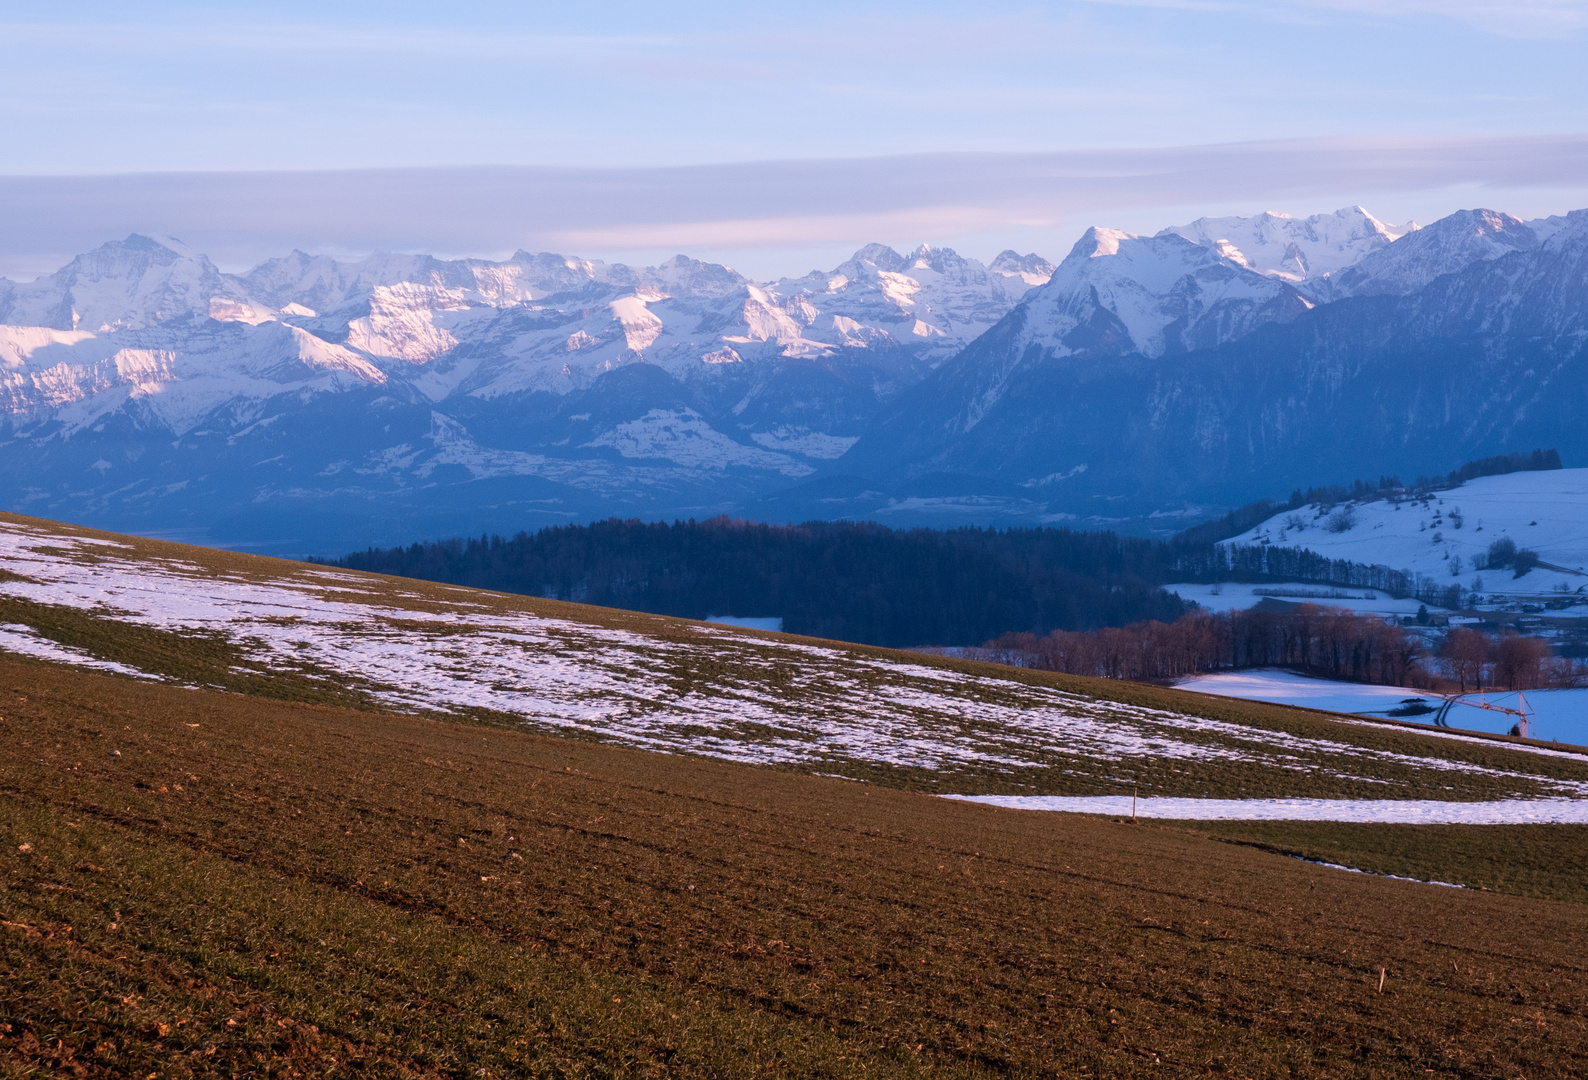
(850, 581)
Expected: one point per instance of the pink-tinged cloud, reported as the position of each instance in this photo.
(763, 213)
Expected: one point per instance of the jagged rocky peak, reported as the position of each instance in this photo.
(321, 283)
(551, 262)
(880, 256)
(684, 276)
(934, 267)
(941, 259)
(1031, 268)
(545, 273)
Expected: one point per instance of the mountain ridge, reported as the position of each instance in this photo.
(153, 391)
(1476, 359)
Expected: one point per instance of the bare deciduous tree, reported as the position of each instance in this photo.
(1465, 651)
(1521, 663)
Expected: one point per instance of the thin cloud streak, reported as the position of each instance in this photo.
(764, 213)
(1536, 19)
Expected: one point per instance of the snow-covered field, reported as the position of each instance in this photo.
(1447, 535)
(1288, 688)
(1232, 596)
(1380, 811)
(670, 685)
(1559, 715)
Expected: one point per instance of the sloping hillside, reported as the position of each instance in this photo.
(147, 609)
(1448, 535)
(199, 883)
(259, 817)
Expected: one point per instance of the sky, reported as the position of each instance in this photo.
(774, 137)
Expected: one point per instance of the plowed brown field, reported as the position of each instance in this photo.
(204, 883)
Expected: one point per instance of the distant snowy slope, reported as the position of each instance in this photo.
(1227, 596)
(1030, 268)
(1117, 292)
(1448, 535)
(1448, 245)
(1297, 250)
(124, 285)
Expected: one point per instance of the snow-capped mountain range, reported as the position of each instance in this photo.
(321, 403)
(533, 322)
(1151, 375)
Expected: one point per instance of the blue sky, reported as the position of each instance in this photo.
(101, 89)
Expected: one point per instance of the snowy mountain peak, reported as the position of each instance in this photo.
(1118, 293)
(1098, 241)
(1296, 250)
(125, 284)
(1450, 244)
(683, 276)
(880, 256)
(1031, 268)
(1547, 228)
(942, 260)
(1480, 223)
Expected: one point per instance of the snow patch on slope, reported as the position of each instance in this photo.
(1377, 811)
(1558, 715)
(680, 435)
(402, 322)
(766, 700)
(805, 442)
